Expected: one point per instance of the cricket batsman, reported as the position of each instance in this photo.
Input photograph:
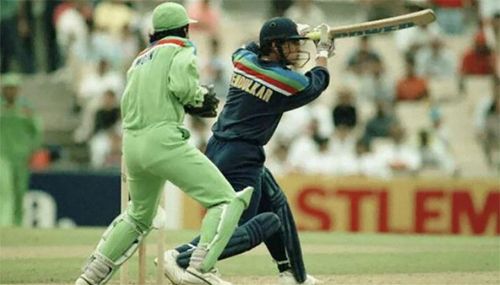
(162, 85)
(263, 87)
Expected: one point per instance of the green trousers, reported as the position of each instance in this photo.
(6, 193)
(153, 156)
(14, 182)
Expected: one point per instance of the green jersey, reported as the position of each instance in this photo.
(162, 79)
(20, 130)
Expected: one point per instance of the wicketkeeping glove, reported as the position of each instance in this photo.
(209, 107)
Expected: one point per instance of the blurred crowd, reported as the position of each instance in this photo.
(90, 45)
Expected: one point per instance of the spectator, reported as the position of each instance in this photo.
(294, 124)
(306, 12)
(360, 60)
(278, 159)
(487, 123)
(496, 31)
(108, 114)
(320, 162)
(91, 89)
(435, 155)
(214, 71)
(342, 141)
(322, 113)
(129, 45)
(480, 60)
(359, 65)
(380, 125)
(15, 38)
(71, 28)
(112, 16)
(397, 157)
(366, 162)
(279, 7)
(410, 41)
(309, 152)
(52, 53)
(376, 84)
(450, 14)
(103, 141)
(379, 9)
(98, 81)
(489, 15)
(491, 137)
(438, 129)
(344, 113)
(207, 16)
(341, 152)
(412, 87)
(436, 61)
(103, 46)
(20, 136)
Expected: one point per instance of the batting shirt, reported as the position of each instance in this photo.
(161, 80)
(260, 93)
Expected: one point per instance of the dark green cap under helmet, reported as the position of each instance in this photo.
(279, 28)
(169, 15)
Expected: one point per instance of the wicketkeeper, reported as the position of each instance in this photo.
(263, 87)
(162, 85)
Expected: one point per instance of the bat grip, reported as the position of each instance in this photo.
(315, 36)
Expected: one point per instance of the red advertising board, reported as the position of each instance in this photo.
(430, 206)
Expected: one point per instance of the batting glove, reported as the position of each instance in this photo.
(325, 47)
(303, 29)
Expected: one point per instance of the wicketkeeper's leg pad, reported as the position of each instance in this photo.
(118, 243)
(217, 227)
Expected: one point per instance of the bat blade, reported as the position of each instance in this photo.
(386, 25)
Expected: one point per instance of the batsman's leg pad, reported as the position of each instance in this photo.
(217, 227)
(244, 238)
(289, 235)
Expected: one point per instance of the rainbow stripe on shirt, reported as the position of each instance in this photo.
(284, 81)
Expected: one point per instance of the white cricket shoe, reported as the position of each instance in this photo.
(195, 277)
(286, 278)
(172, 271)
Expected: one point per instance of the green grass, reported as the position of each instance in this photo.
(325, 254)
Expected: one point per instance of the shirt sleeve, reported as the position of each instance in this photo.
(184, 78)
(318, 78)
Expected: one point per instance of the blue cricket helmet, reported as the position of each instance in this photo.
(279, 28)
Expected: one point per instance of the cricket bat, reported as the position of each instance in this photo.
(386, 25)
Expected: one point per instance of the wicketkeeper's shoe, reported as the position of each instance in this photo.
(286, 278)
(195, 277)
(81, 281)
(172, 271)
